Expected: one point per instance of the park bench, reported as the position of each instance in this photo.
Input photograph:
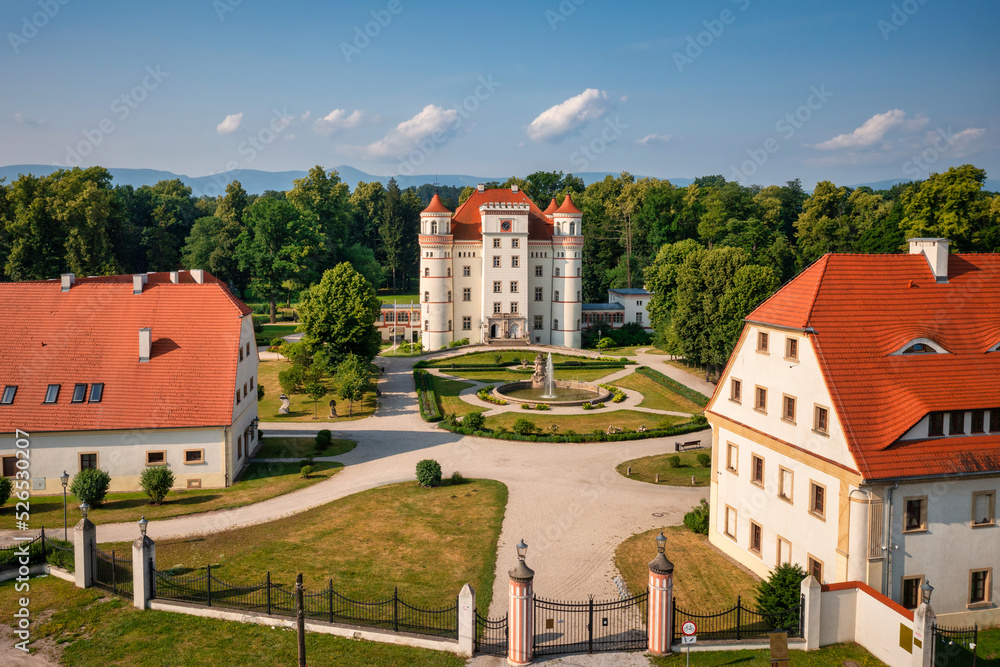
(681, 446)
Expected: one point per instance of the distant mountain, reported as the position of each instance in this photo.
(256, 182)
(991, 184)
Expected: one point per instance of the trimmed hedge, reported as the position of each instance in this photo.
(426, 396)
(679, 429)
(674, 385)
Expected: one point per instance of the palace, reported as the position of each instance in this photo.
(500, 270)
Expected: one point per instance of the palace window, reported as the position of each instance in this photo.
(730, 526)
(449, 272)
(914, 514)
(817, 500)
(760, 399)
(449, 296)
(911, 591)
(618, 318)
(466, 271)
(980, 585)
(555, 295)
(556, 274)
(466, 294)
(792, 348)
(935, 426)
(762, 341)
(756, 537)
(995, 420)
(427, 272)
(814, 566)
(513, 287)
(821, 420)
(466, 323)
(88, 461)
(497, 308)
(788, 409)
(515, 243)
(515, 261)
(756, 470)
(496, 243)
(736, 391)
(786, 479)
(784, 551)
(555, 325)
(194, 456)
(978, 421)
(156, 458)
(538, 322)
(956, 424)
(427, 325)
(427, 297)
(449, 325)
(538, 294)
(497, 286)
(983, 508)
(732, 457)
(496, 261)
(538, 272)
(513, 307)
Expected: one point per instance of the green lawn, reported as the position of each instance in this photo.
(260, 482)
(503, 375)
(400, 299)
(988, 648)
(447, 393)
(829, 656)
(628, 351)
(87, 628)
(584, 423)
(656, 395)
(302, 408)
(272, 331)
(646, 469)
(299, 448)
(428, 542)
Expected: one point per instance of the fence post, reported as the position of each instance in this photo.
(331, 600)
(520, 644)
(922, 654)
(739, 606)
(395, 609)
(590, 626)
(812, 594)
(467, 621)
(114, 574)
(208, 584)
(44, 558)
(268, 579)
(143, 566)
(660, 605)
(84, 540)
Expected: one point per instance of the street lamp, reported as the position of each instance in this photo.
(661, 543)
(926, 589)
(143, 522)
(65, 480)
(84, 508)
(522, 550)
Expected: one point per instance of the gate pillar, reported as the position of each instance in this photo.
(143, 566)
(660, 626)
(84, 540)
(923, 636)
(521, 638)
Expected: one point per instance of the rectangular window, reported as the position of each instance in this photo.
(730, 527)
(756, 470)
(784, 551)
(638, 318)
(821, 419)
(792, 348)
(244, 390)
(496, 261)
(237, 397)
(513, 307)
(817, 500)
(732, 457)
(538, 271)
(914, 514)
(538, 294)
(538, 322)
(515, 261)
(8, 394)
(497, 308)
(466, 323)
(496, 243)
(814, 566)
(911, 591)
(241, 353)
(466, 271)
(239, 446)
(978, 421)
(88, 461)
(515, 243)
(788, 409)
(786, 479)
(513, 287)
(52, 393)
(762, 341)
(956, 424)
(466, 294)
(194, 456)
(156, 458)
(760, 400)
(995, 420)
(736, 391)
(935, 426)
(497, 286)
(984, 508)
(980, 585)
(756, 537)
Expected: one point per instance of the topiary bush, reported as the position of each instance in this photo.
(5, 487)
(305, 471)
(704, 460)
(156, 482)
(697, 518)
(324, 439)
(90, 486)
(429, 473)
(674, 461)
(778, 596)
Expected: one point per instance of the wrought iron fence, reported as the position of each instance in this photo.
(740, 622)
(325, 604)
(491, 634)
(112, 573)
(590, 627)
(955, 647)
(34, 549)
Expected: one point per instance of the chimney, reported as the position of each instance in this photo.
(145, 343)
(175, 277)
(481, 187)
(936, 252)
(66, 280)
(198, 275)
(513, 188)
(138, 280)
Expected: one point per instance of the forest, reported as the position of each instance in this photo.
(710, 251)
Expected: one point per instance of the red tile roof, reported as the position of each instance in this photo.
(865, 307)
(551, 208)
(467, 223)
(568, 206)
(90, 334)
(436, 206)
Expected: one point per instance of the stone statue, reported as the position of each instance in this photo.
(333, 409)
(285, 404)
(538, 377)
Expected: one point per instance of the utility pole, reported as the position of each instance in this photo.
(300, 614)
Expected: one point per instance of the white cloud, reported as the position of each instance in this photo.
(337, 121)
(230, 124)
(433, 124)
(965, 142)
(567, 117)
(655, 139)
(305, 116)
(21, 119)
(873, 130)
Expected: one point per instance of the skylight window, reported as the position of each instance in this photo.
(8, 394)
(52, 393)
(96, 392)
(79, 393)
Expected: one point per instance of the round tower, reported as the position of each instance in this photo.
(567, 274)
(436, 282)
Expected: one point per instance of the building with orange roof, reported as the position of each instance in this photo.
(856, 428)
(499, 270)
(125, 372)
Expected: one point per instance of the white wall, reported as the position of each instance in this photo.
(853, 615)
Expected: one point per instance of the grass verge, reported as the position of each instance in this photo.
(300, 448)
(647, 468)
(302, 408)
(828, 656)
(656, 395)
(503, 375)
(585, 423)
(272, 331)
(447, 395)
(260, 482)
(82, 628)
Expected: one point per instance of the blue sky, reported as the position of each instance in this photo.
(851, 91)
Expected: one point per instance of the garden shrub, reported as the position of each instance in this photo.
(697, 518)
(323, 439)
(91, 485)
(5, 488)
(778, 596)
(474, 421)
(305, 471)
(542, 406)
(526, 406)
(704, 460)
(156, 482)
(523, 426)
(457, 478)
(674, 461)
(429, 473)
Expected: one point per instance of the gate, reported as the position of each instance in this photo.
(113, 574)
(955, 647)
(590, 627)
(491, 635)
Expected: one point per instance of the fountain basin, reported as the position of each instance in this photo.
(568, 392)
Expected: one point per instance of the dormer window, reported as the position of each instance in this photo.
(995, 348)
(52, 393)
(8, 394)
(79, 393)
(920, 346)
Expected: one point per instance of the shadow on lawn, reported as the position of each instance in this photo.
(175, 498)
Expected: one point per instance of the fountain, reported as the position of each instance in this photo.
(544, 388)
(550, 379)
